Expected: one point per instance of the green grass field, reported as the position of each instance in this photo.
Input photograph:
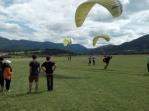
(79, 87)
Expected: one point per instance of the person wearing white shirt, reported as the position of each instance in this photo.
(94, 59)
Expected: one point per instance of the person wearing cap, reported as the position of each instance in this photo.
(49, 67)
(7, 73)
(34, 69)
(1, 74)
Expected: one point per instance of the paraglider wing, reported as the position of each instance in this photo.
(113, 6)
(103, 36)
(67, 42)
(82, 12)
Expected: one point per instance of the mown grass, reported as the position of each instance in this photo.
(79, 87)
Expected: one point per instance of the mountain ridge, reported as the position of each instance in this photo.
(7, 45)
(140, 45)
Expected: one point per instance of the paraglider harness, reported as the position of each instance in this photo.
(106, 59)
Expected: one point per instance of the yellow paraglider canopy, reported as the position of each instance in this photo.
(103, 36)
(113, 6)
(67, 42)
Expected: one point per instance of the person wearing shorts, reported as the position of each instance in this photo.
(34, 69)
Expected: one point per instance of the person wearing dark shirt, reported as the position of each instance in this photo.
(106, 60)
(1, 74)
(34, 69)
(49, 67)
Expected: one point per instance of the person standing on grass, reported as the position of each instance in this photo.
(1, 74)
(49, 67)
(94, 60)
(34, 69)
(89, 60)
(69, 57)
(7, 73)
(106, 60)
(148, 63)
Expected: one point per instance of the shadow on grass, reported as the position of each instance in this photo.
(146, 74)
(25, 94)
(116, 72)
(99, 70)
(58, 76)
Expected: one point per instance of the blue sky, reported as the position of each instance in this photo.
(53, 20)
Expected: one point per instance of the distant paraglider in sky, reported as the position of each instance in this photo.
(113, 6)
(67, 42)
(102, 36)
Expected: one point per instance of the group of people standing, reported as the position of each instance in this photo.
(92, 60)
(48, 67)
(69, 57)
(106, 60)
(34, 70)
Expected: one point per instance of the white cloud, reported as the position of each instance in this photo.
(10, 27)
(125, 2)
(53, 20)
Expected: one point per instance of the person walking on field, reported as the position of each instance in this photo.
(1, 74)
(49, 67)
(148, 63)
(7, 73)
(34, 69)
(106, 60)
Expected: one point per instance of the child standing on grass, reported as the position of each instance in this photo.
(7, 73)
